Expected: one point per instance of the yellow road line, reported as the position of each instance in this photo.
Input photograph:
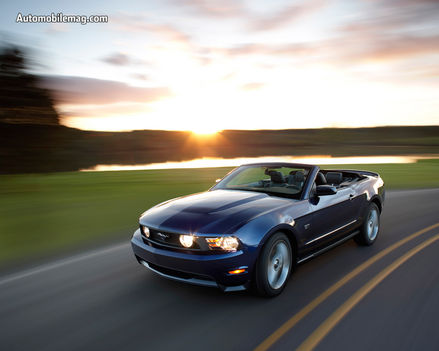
(284, 328)
(325, 328)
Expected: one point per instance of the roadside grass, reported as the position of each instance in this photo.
(44, 213)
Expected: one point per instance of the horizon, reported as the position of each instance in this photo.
(200, 134)
(205, 66)
(209, 135)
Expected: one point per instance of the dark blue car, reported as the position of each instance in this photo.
(257, 223)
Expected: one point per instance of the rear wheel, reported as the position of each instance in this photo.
(274, 266)
(370, 228)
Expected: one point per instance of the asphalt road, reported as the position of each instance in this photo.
(104, 300)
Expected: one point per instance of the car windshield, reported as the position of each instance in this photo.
(281, 181)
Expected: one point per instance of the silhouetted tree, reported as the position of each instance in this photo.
(22, 99)
(29, 123)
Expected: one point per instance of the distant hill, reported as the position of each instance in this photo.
(49, 148)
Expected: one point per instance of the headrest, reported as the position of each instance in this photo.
(334, 177)
(320, 179)
(276, 177)
(299, 176)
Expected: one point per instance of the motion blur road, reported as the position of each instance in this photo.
(105, 300)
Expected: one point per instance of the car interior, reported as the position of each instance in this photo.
(295, 179)
(339, 179)
(285, 180)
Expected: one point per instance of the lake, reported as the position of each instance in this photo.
(207, 162)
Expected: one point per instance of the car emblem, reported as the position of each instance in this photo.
(163, 236)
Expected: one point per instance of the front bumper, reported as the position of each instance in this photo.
(190, 267)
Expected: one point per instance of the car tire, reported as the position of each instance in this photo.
(370, 228)
(274, 266)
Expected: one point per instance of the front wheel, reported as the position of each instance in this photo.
(274, 265)
(370, 228)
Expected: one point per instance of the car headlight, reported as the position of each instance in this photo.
(145, 231)
(226, 243)
(186, 240)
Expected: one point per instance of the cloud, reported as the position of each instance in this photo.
(142, 24)
(387, 31)
(117, 59)
(217, 9)
(396, 48)
(252, 86)
(83, 90)
(168, 32)
(342, 50)
(285, 15)
(253, 20)
(391, 31)
(140, 76)
(287, 49)
(121, 59)
(393, 17)
(117, 109)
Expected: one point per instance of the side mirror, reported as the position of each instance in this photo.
(323, 190)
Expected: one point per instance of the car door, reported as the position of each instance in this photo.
(332, 218)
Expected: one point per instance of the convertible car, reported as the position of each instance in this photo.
(253, 226)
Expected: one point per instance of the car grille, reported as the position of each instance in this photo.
(179, 274)
(166, 239)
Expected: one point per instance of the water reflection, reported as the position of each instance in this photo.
(206, 162)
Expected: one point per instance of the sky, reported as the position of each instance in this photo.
(205, 66)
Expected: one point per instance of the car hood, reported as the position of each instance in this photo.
(212, 212)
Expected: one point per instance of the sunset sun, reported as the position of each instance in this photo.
(205, 130)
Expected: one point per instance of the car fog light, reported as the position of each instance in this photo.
(146, 231)
(238, 271)
(226, 243)
(186, 240)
